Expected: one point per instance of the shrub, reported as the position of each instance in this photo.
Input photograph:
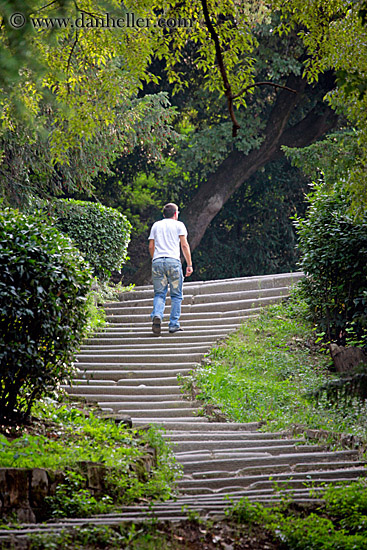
(101, 233)
(43, 287)
(334, 258)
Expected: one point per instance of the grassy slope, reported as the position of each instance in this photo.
(266, 372)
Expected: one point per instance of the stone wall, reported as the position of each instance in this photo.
(23, 490)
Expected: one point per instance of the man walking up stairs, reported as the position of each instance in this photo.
(165, 239)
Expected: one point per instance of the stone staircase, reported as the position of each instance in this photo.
(130, 372)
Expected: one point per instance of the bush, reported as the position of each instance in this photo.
(101, 233)
(334, 258)
(43, 287)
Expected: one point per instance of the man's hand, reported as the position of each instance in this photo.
(189, 271)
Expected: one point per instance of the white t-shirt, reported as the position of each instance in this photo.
(166, 234)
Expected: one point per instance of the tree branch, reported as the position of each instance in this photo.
(223, 72)
(93, 15)
(263, 84)
(69, 59)
(46, 6)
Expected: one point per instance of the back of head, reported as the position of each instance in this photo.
(169, 210)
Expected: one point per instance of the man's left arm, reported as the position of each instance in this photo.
(185, 247)
(151, 247)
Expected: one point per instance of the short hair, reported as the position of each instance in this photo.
(169, 210)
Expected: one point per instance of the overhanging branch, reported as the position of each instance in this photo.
(223, 72)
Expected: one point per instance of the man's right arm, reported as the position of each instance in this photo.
(187, 255)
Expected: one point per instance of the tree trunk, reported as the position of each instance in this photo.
(238, 167)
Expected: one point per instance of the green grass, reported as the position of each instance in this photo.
(144, 537)
(266, 371)
(339, 523)
(63, 436)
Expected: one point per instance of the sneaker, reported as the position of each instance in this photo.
(175, 329)
(156, 326)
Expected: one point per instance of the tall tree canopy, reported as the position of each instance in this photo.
(335, 35)
(68, 90)
(70, 72)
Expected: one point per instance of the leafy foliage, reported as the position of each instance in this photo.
(63, 437)
(43, 287)
(338, 524)
(341, 393)
(101, 233)
(28, 168)
(72, 500)
(334, 34)
(69, 94)
(329, 159)
(334, 257)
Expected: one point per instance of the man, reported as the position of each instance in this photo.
(166, 237)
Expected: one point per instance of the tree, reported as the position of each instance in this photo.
(28, 168)
(218, 165)
(253, 233)
(68, 84)
(238, 167)
(334, 34)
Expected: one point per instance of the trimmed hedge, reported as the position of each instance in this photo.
(101, 233)
(43, 286)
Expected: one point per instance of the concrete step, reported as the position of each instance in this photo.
(138, 369)
(205, 426)
(237, 284)
(155, 347)
(214, 308)
(137, 377)
(240, 462)
(207, 500)
(221, 451)
(283, 480)
(166, 357)
(193, 320)
(94, 391)
(152, 405)
(145, 401)
(183, 339)
(169, 422)
(116, 375)
(267, 470)
(144, 335)
(165, 413)
(190, 322)
(191, 299)
(217, 442)
(230, 435)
